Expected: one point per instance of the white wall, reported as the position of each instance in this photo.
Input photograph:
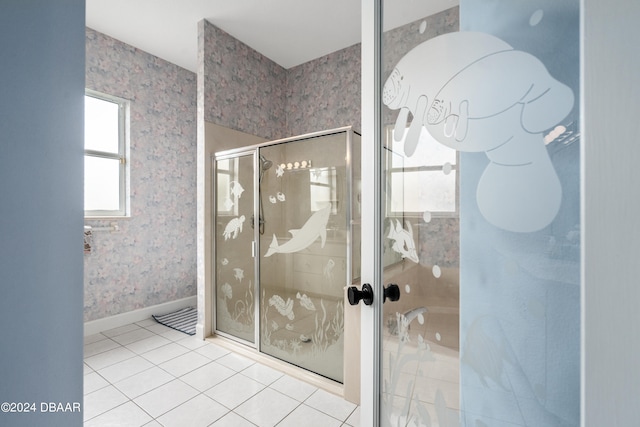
(611, 206)
(41, 163)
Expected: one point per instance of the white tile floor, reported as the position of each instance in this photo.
(146, 374)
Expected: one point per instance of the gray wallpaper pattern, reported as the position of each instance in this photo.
(324, 93)
(243, 90)
(152, 259)
(246, 91)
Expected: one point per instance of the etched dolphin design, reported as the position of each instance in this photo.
(316, 226)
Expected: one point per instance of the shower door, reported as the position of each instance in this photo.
(235, 270)
(284, 251)
(472, 168)
(305, 206)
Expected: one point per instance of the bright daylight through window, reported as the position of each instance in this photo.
(105, 155)
(427, 181)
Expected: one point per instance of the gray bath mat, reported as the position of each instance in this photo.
(183, 320)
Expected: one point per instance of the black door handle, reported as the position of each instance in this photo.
(392, 292)
(354, 295)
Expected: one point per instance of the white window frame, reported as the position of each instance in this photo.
(122, 155)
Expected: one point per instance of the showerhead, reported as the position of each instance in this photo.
(264, 163)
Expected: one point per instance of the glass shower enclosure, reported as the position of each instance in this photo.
(286, 246)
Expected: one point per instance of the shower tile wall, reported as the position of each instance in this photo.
(152, 259)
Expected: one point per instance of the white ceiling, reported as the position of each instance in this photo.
(289, 32)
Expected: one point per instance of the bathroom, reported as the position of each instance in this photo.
(53, 295)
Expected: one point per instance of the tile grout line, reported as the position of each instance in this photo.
(188, 350)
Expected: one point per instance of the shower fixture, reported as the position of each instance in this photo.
(265, 165)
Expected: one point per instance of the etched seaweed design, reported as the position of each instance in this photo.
(327, 332)
(239, 314)
(266, 330)
(400, 411)
(328, 329)
(242, 309)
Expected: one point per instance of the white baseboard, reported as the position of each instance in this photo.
(200, 331)
(104, 324)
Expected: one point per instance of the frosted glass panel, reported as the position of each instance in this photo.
(487, 328)
(235, 267)
(520, 279)
(304, 253)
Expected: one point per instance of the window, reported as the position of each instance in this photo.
(105, 159)
(425, 182)
(323, 188)
(227, 178)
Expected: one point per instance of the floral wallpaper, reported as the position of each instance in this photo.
(152, 258)
(324, 93)
(246, 91)
(242, 89)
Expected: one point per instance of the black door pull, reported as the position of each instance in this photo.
(392, 292)
(354, 295)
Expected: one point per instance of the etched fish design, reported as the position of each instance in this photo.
(279, 171)
(228, 204)
(233, 228)
(238, 273)
(306, 302)
(316, 226)
(236, 189)
(284, 308)
(403, 241)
